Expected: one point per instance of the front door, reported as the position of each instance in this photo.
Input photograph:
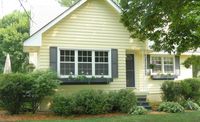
(130, 70)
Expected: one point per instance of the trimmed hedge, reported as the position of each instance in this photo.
(94, 102)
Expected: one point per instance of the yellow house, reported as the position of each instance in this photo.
(89, 40)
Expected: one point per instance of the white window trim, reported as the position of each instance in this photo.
(76, 62)
(162, 63)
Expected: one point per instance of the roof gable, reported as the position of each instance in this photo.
(36, 38)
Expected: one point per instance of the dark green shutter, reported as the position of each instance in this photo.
(53, 58)
(177, 65)
(114, 53)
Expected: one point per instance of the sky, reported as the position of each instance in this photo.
(42, 11)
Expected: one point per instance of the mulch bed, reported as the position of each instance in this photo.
(4, 117)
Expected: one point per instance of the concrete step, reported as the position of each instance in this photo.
(142, 101)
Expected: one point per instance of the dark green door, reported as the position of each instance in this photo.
(130, 70)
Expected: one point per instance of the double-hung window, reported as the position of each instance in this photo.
(67, 62)
(85, 62)
(101, 63)
(162, 64)
(168, 64)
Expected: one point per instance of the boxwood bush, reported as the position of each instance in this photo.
(122, 100)
(21, 92)
(171, 91)
(63, 105)
(190, 89)
(91, 102)
(170, 107)
(94, 102)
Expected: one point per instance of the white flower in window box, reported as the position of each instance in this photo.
(102, 75)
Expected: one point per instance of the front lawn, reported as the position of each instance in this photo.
(178, 117)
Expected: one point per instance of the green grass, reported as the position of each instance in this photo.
(178, 117)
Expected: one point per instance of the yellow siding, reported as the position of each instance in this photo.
(94, 25)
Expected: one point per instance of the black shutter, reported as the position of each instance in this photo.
(53, 58)
(177, 65)
(147, 64)
(114, 53)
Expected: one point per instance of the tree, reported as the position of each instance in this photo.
(193, 61)
(172, 25)
(68, 3)
(14, 29)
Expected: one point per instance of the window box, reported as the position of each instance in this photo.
(163, 77)
(84, 80)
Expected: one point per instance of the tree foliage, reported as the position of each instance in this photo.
(68, 3)
(14, 29)
(172, 25)
(193, 61)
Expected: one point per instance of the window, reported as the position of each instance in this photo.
(168, 65)
(164, 65)
(85, 62)
(157, 64)
(101, 63)
(67, 62)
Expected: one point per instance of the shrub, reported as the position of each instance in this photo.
(190, 89)
(126, 99)
(94, 102)
(122, 100)
(63, 105)
(179, 91)
(19, 92)
(190, 105)
(171, 91)
(43, 83)
(138, 110)
(170, 107)
(12, 91)
(91, 102)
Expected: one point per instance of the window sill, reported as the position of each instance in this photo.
(163, 77)
(72, 81)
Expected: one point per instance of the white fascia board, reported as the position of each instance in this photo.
(36, 38)
(195, 53)
(165, 53)
(114, 5)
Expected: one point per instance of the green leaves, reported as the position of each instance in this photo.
(14, 30)
(21, 92)
(173, 25)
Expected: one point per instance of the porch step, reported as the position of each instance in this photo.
(142, 101)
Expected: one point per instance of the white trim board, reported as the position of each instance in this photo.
(36, 38)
